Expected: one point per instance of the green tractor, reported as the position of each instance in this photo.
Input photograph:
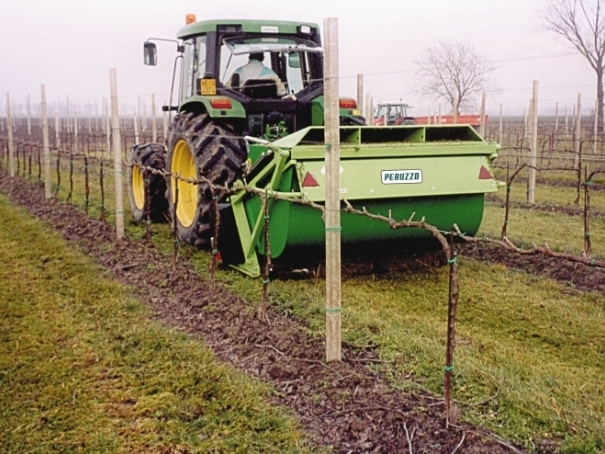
(241, 151)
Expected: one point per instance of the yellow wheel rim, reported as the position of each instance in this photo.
(183, 165)
(138, 187)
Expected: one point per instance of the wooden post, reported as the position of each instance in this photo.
(482, 115)
(578, 130)
(533, 147)
(117, 154)
(360, 92)
(154, 127)
(556, 117)
(11, 145)
(332, 209)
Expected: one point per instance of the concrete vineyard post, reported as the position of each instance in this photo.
(482, 116)
(154, 126)
(45, 145)
(165, 116)
(117, 154)
(500, 129)
(595, 127)
(332, 207)
(29, 117)
(136, 126)
(57, 127)
(578, 130)
(11, 145)
(455, 112)
(106, 123)
(360, 92)
(75, 132)
(533, 147)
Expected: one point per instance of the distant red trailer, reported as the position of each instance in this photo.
(396, 114)
(473, 120)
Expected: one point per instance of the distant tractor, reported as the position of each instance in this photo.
(240, 155)
(395, 114)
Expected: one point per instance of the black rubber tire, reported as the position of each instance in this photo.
(219, 154)
(147, 155)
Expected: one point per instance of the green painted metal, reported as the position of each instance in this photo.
(317, 111)
(246, 26)
(195, 103)
(299, 225)
(439, 174)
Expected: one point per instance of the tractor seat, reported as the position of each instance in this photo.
(259, 88)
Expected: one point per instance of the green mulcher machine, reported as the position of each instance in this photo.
(231, 146)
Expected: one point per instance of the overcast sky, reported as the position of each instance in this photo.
(70, 46)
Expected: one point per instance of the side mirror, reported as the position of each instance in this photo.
(150, 53)
(294, 60)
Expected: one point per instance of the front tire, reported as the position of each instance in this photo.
(199, 147)
(143, 158)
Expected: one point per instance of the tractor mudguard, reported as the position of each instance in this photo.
(223, 107)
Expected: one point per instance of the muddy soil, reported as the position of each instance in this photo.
(345, 405)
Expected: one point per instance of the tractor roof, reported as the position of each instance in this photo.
(249, 26)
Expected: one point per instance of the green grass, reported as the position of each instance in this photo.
(529, 359)
(560, 232)
(84, 369)
(524, 340)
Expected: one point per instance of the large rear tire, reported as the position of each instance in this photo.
(143, 157)
(199, 147)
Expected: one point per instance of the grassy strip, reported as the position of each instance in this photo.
(558, 195)
(529, 356)
(83, 369)
(524, 340)
(561, 232)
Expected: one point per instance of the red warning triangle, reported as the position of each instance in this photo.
(309, 180)
(485, 174)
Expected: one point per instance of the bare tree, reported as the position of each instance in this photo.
(581, 24)
(455, 73)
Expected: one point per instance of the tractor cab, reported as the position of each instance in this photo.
(286, 97)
